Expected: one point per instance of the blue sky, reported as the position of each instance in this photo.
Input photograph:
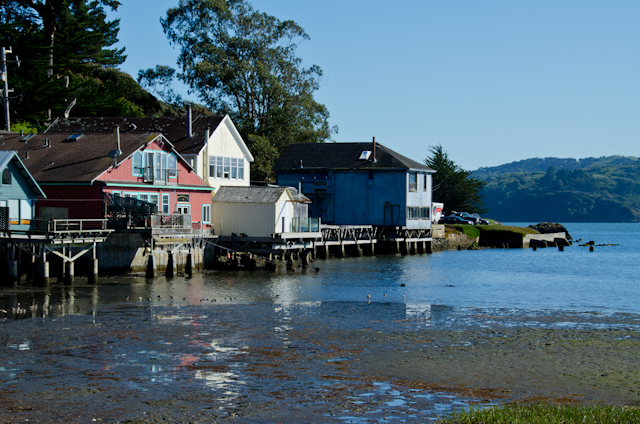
(492, 81)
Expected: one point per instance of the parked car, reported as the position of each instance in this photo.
(453, 219)
(472, 217)
(480, 220)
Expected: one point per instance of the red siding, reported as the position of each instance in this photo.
(83, 202)
(124, 170)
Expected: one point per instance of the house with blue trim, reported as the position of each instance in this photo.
(358, 184)
(19, 192)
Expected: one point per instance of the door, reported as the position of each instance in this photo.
(391, 215)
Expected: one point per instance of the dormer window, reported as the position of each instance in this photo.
(365, 155)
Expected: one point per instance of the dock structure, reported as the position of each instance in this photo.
(332, 240)
(173, 237)
(29, 251)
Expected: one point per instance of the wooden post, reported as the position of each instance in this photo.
(151, 267)
(170, 265)
(69, 272)
(188, 267)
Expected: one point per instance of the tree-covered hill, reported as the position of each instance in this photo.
(605, 189)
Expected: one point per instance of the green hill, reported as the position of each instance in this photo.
(605, 189)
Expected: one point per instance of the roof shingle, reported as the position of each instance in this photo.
(343, 156)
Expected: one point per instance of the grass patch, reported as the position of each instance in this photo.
(506, 229)
(544, 414)
(469, 230)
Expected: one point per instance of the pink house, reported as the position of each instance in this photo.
(89, 176)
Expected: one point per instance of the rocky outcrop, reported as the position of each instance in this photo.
(550, 228)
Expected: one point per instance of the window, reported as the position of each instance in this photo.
(234, 168)
(413, 212)
(424, 180)
(183, 209)
(153, 198)
(172, 165)
(165, 203)
(137, 164)
(226, 168)
(206, 214)
(241, 169)
(144, 197)
(424, 213)
(6, 177)
(218, 167)
(413, 181)
(155, 165)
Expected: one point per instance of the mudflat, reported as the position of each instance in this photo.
(513, 364)
(145, 361)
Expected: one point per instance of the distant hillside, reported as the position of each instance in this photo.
(605, 189)
(542, 164)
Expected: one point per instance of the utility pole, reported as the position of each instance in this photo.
(5, 87)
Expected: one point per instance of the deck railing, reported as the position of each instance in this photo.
(68, 225)
(170, 220)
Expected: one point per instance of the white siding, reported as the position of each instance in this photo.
(420, 198)
(252, 219)
(223, 142)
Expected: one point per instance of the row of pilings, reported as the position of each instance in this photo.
(300, 258)
(36, 265)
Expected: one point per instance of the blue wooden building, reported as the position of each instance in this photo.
(358, 184)
(18, 192)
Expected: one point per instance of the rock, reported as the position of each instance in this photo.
(550, 227)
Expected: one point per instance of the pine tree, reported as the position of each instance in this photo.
(454, 186)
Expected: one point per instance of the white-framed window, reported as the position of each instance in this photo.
(165, 203)
(206, 214)
(413, 181)
(226, 168)
(138, 168)
(413, 212)
(183, 209)
(153, 199)
(424, 182)
(424, 212)
(155, 165)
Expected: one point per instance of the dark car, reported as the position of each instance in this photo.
(474, 217)
(452, 219)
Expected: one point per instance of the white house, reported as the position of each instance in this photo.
(258, 211)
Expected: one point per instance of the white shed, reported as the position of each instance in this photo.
(257, 211)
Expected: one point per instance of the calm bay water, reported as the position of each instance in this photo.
(152, 337)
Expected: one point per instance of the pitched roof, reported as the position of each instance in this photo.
(77, 161)
(173, 128)
(344, 156)
(253, 194)
(7, 156)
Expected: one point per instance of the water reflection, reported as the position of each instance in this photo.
(263, 336)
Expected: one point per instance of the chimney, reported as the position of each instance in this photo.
(116, 134)
(189, 129)
(374, 150)
(26, 155)
(207, 134)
